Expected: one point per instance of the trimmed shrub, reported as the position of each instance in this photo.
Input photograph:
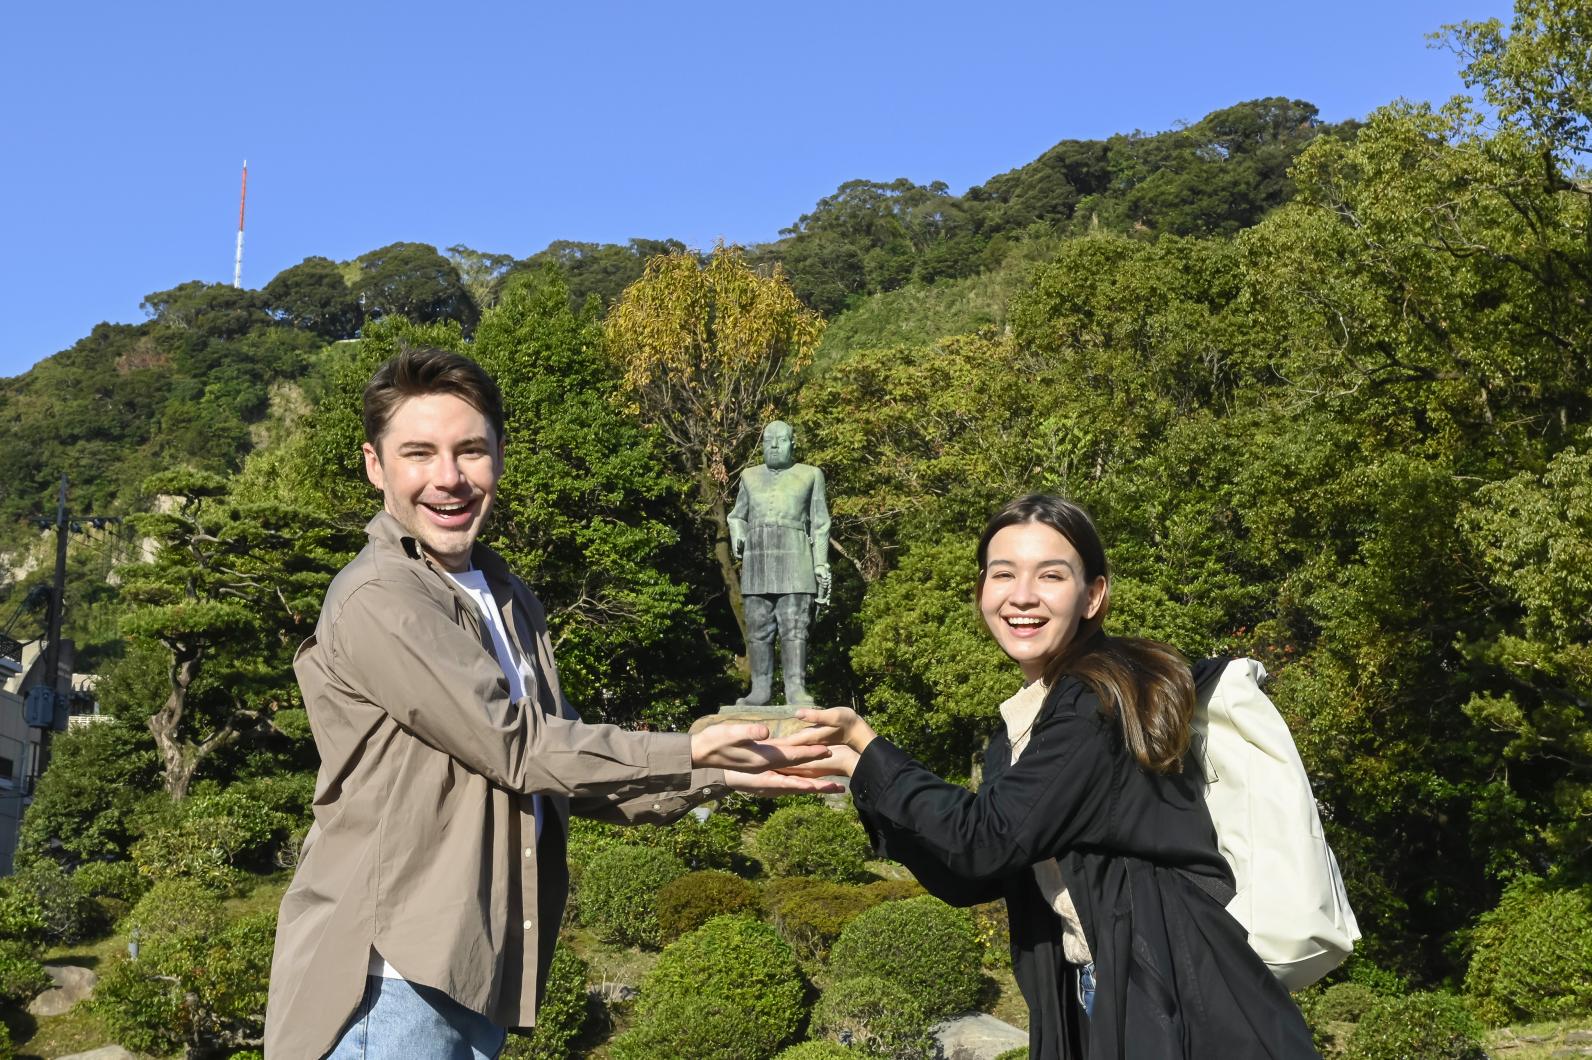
(110, 879)
(922, 945)
(619, 893)
(1428, 1026)
(878, 1016)
(818, 1050)
(176, 909)
(22, 977)
(730, 990)
(692, 900)
(1019, 1053)
(1343, 1003)
(710, 844)
(1532, 955)
(561, 1016)
(810, 914)
(812, 840)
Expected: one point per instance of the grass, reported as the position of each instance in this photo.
(1536, 1041)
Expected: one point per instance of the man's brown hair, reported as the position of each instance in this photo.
(423, 370)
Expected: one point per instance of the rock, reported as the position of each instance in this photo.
(978, 1037)
(1578, 1038)
(72, 984)
(104, 1052)
(781, 721)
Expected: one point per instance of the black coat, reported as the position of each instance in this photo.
(1175, 976)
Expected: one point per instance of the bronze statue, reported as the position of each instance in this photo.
(779, 529)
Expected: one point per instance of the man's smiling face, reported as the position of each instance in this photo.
(437, 467)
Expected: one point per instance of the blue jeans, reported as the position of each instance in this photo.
(398, 1020)
(1086, 988)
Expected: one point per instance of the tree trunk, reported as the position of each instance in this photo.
(714, 499)
(178, 762)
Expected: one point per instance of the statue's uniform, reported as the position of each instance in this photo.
(784, 518)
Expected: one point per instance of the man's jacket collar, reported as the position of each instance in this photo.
(383, 529)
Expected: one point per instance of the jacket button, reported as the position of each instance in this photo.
(657, 806)
(529, 851)
(527, 925)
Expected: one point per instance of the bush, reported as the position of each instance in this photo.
(205, 992)
(878, 1016)
(818, 1050)
(1343, 1003)
(67, 914)
(561, 1016)
(174, 910)
(21, 917)
(139, 1009)
(810, 914)
(710, 844)
(812, 840)
(619, 893)
(1019, 1053)
(1532, 955)
(1427, 1026)
(214, 834)
(22, 977)
(692, 900)
(921, 945)
(730, 990)
(110, 879)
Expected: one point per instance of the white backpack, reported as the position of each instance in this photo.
(1290, 895)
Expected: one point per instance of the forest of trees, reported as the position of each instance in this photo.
(1325, 388)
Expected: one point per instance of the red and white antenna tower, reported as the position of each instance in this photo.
(243, 197)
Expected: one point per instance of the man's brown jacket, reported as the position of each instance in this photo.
(424, 842)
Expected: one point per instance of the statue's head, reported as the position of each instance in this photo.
(779, 445)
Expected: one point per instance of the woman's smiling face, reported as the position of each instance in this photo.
(1033, 594)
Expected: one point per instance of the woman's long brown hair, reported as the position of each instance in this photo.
(1145, 682)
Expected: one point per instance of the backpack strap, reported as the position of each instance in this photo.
(1206, 673)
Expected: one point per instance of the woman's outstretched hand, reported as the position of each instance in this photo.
(838, 725)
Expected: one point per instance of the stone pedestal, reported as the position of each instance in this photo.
(781, 721)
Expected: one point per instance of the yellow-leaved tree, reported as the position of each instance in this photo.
(708, 351)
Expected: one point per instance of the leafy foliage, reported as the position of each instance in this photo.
(619, 893)
(686, 903)
(812, 841)
(560, 1017)
(1426, 1025)
(878, 1016)
(728, 991)
(1532, 955)
(921, 945)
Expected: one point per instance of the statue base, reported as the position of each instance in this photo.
(781, 721)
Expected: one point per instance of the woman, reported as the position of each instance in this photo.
(1087, 822)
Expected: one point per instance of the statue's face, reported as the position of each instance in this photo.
(778, 451)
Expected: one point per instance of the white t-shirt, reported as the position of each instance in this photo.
(520, 673)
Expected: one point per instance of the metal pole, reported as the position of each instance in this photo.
(52, 647)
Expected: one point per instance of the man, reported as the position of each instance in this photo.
(422, 918)
(781, 523)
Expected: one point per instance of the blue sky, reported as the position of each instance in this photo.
(505, 126)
